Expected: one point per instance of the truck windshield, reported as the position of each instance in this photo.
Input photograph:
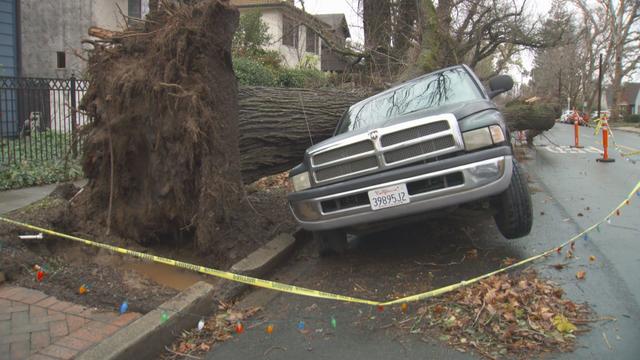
(441, 88)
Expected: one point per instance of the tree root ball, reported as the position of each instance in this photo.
(162, 155)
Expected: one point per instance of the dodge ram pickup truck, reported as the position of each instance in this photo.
(428, 145)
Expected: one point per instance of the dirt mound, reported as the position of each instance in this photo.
(162, 155)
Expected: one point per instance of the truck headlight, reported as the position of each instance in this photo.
(479, 138)
(301, 181)
(476, 139)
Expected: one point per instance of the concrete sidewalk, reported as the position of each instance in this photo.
(34, 325)
(15, 199)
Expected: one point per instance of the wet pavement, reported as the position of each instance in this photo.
(570, 192)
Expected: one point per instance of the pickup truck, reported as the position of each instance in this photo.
(423, 147)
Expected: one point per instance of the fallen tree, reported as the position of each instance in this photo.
(278, 124)
(532, 118)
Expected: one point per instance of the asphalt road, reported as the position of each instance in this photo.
(570, 191)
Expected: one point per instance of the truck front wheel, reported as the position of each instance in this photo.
(514, 214)
(330, 242)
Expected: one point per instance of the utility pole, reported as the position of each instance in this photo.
(599, 85)
(560, 87)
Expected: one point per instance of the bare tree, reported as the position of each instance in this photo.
(617, 22)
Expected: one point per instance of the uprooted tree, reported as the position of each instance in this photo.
(162, 154)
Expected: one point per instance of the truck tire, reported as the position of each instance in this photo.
(514, 213)
(332, 242)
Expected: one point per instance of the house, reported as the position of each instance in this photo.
(40, 38)
(331, 60)
(629, 103)
(293, 32)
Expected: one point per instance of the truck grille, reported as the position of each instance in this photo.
(346, 168)
(388, 147)
(413, 133)
(343, 152)
(419, 149)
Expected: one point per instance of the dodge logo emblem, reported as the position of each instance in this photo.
(373, 135)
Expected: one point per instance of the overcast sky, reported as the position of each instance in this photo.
(350, 9)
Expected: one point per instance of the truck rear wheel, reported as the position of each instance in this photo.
(331, 242)
(514, 214)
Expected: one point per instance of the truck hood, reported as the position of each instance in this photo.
(459, 110)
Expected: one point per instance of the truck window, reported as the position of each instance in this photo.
(437, 89)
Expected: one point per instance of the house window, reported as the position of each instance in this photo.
(312, 41)
(62, 59)
(138, 8)
(289, 32)
(135, 8)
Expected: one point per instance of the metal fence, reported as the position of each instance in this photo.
(39, 118)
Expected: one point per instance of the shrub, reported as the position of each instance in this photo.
(634, 118)
(32, 173)
(252, 72)
(302, 78)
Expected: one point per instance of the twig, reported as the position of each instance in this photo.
(448, 264)
(110, 182)
(604, 336)
(478, 315)
(181, 354)
(266, 352)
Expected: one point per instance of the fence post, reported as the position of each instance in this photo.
(74, 121)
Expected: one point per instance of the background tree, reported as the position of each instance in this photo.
(615, 23)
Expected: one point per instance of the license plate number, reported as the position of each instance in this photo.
(389, 196)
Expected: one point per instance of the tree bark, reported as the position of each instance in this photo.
(278, 124)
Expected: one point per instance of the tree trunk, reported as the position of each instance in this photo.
(278, 124)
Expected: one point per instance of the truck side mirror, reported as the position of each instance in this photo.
(499, 84)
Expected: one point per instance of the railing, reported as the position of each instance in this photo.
(39, 120)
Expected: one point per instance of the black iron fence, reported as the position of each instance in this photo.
(39, 119)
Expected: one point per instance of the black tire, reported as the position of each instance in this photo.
(332, 242)
(514, 213)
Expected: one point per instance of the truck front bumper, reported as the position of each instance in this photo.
(432, 186)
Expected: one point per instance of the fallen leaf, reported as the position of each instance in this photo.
(592, 258)
(205, 347)
(508, 261)
(559, 266)
(563, 325)
(580, 274)
(472, 254)
(580, 214)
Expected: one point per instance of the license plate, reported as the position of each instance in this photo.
(389, 196)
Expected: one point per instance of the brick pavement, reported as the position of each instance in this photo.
(34, 325)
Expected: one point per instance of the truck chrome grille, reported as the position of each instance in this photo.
(413, 133)
(388, 147)
(419, 149)
(343, 152)
(351, 167)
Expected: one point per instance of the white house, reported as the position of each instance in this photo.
(629, 103)
(290, 30)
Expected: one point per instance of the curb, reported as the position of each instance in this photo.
(146, 337)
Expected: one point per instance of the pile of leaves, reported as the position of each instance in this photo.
(513, 314)
(277, 181)
(218, 328)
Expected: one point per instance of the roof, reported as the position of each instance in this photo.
(286, 6)
(336, 21)
(629, 94)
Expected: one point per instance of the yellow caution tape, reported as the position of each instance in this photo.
(273, 285)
